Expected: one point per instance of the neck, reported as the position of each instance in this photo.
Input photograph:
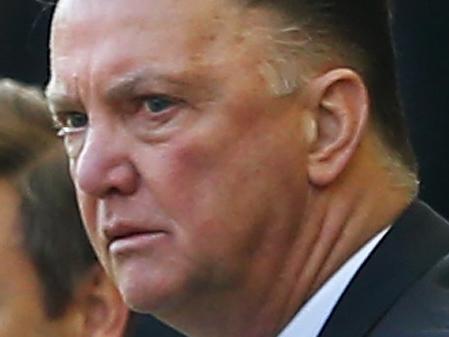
(365, 200)
(339, 220)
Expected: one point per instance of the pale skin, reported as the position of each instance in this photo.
(242, 203)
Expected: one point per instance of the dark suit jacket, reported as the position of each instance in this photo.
(402, 290)
(148, 326)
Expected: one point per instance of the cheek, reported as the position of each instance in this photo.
(227, 198)
(226, 174)
(225, 163)
(183, 176)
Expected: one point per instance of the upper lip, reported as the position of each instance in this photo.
(122, 229)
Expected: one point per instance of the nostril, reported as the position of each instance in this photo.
(101, 181)
(122, 178)
(113, 191)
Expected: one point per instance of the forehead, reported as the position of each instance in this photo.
(79, 20)
(173, 36)
(141, 27)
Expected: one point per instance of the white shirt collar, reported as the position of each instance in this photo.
(311, 318)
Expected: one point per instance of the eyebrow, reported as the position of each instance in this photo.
(126, 85)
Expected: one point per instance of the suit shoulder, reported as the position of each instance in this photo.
(423, 309)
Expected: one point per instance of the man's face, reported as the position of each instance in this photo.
(22, 312)
(191, 175)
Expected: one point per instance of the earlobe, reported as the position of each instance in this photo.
(340, 106)
(105, 314)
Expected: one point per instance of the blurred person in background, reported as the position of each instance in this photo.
(51, 283)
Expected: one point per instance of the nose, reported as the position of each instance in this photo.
(103, 166)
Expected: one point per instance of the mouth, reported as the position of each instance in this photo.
(125, 238)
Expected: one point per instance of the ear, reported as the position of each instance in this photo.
(339, 104)
(104, 312)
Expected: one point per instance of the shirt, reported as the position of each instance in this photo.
(311, 318)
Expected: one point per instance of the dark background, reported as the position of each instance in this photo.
(422, 37)
(422, 43)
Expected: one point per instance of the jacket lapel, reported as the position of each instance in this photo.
(417, 240)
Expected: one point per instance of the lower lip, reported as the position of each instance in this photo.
(137, 242)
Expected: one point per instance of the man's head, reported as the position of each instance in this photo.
(205, 135)
(51, 282)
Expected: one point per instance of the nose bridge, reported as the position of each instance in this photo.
(103, 165)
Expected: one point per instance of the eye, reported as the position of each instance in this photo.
(76, 120)
(158, 104)
(71, 121)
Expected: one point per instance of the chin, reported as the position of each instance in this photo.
(148, 298)
(147, 289)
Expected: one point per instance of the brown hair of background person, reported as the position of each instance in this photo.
(53, 285)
